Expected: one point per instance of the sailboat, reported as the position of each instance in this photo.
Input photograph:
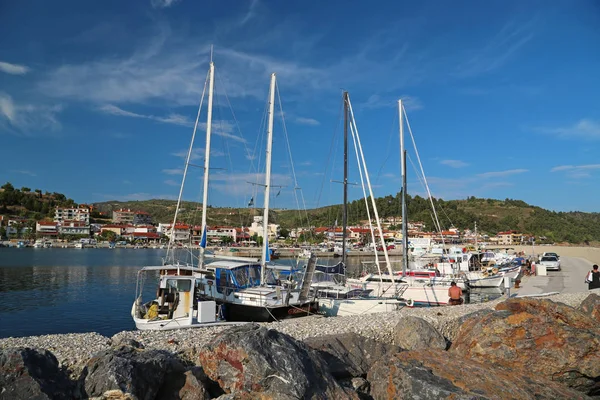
(425, 289)
(249, 291)
(177, 303)
(338, 297)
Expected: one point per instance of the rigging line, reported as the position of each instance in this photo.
(424, 177)
(360, 172)
(332, 145)
(418, 175)
(237, 125)
(187, 162)
(364, 163)
(287, 139)
(389, 147)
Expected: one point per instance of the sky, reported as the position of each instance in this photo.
(98, 99)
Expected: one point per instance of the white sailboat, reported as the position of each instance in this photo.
(336, 299)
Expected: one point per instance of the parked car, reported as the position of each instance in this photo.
(551, 263)
(551, 255)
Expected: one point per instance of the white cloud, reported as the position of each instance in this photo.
(163, 3)
(454, 163)
(198, 154)
(498, 49)
(24, 172)
(171, 182)
(502, 173)
(27, 118)
(577, 171)
(307, 121)
(410, 103)
(13, 69)
(173, 171)
(583, 129)
(175, 119)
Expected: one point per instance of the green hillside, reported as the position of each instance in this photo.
(492, 216)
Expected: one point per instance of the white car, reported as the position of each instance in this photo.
(551, 255)
(551, 263)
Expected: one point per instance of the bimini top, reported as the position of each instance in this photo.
(229, 264)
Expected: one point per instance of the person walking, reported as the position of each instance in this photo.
(593, 278)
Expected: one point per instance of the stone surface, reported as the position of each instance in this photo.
(140, 373)
(27, 373)
(349, 355)
(551, 340)
(251, 361)
(436, 374)
(414, 333)
(591, 306)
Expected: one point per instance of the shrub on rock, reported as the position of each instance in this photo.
(548, 339)
(414, 333)
(27, 373)
(251, 361)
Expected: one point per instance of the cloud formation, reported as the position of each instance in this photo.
(454, 163)
(307, 121)
(13, 69)
(583, 129)
(26, 119)
(163, 3)
(176, 119)
(497, 174)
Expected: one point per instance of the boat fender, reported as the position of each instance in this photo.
(410, 303)
(494, 271)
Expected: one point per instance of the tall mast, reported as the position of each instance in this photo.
(211, 84)
(404, 211)
(345, 206)
(265, 248)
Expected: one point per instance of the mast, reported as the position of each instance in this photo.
(404, 211)
(345, 206)
(265, 248)
(211, 84)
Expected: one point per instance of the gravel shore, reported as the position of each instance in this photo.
(74, 350)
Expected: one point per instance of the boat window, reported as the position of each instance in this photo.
(181, 285)
(241, 276)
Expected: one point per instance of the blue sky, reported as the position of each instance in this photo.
(98, 99)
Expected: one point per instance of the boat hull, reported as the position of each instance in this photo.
(347, 307)
(246, 313)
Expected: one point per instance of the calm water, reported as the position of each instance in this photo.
(48, 291)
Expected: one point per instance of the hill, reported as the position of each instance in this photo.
(491, 215)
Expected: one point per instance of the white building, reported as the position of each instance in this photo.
(219, 232)
(79, 214)
(257, 228)
(74, 228)
(47, 228)
(181, 231)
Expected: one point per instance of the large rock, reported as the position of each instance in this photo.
(414, 333)
(145, 374)
(32, 374)
(251, 361)
(591, 306)
(349, 355)
(552, 340)
(436, 374)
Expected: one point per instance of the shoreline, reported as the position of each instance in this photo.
(74, 350)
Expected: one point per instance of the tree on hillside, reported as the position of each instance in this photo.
(8, 187)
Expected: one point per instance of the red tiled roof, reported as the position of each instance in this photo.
(149, 235)
(42, 223)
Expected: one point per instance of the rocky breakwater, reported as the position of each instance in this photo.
(520, 349)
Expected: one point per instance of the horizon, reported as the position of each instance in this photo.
(501, 97)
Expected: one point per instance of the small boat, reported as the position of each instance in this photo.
(345, 307)
(176, 304)
(78, 245)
